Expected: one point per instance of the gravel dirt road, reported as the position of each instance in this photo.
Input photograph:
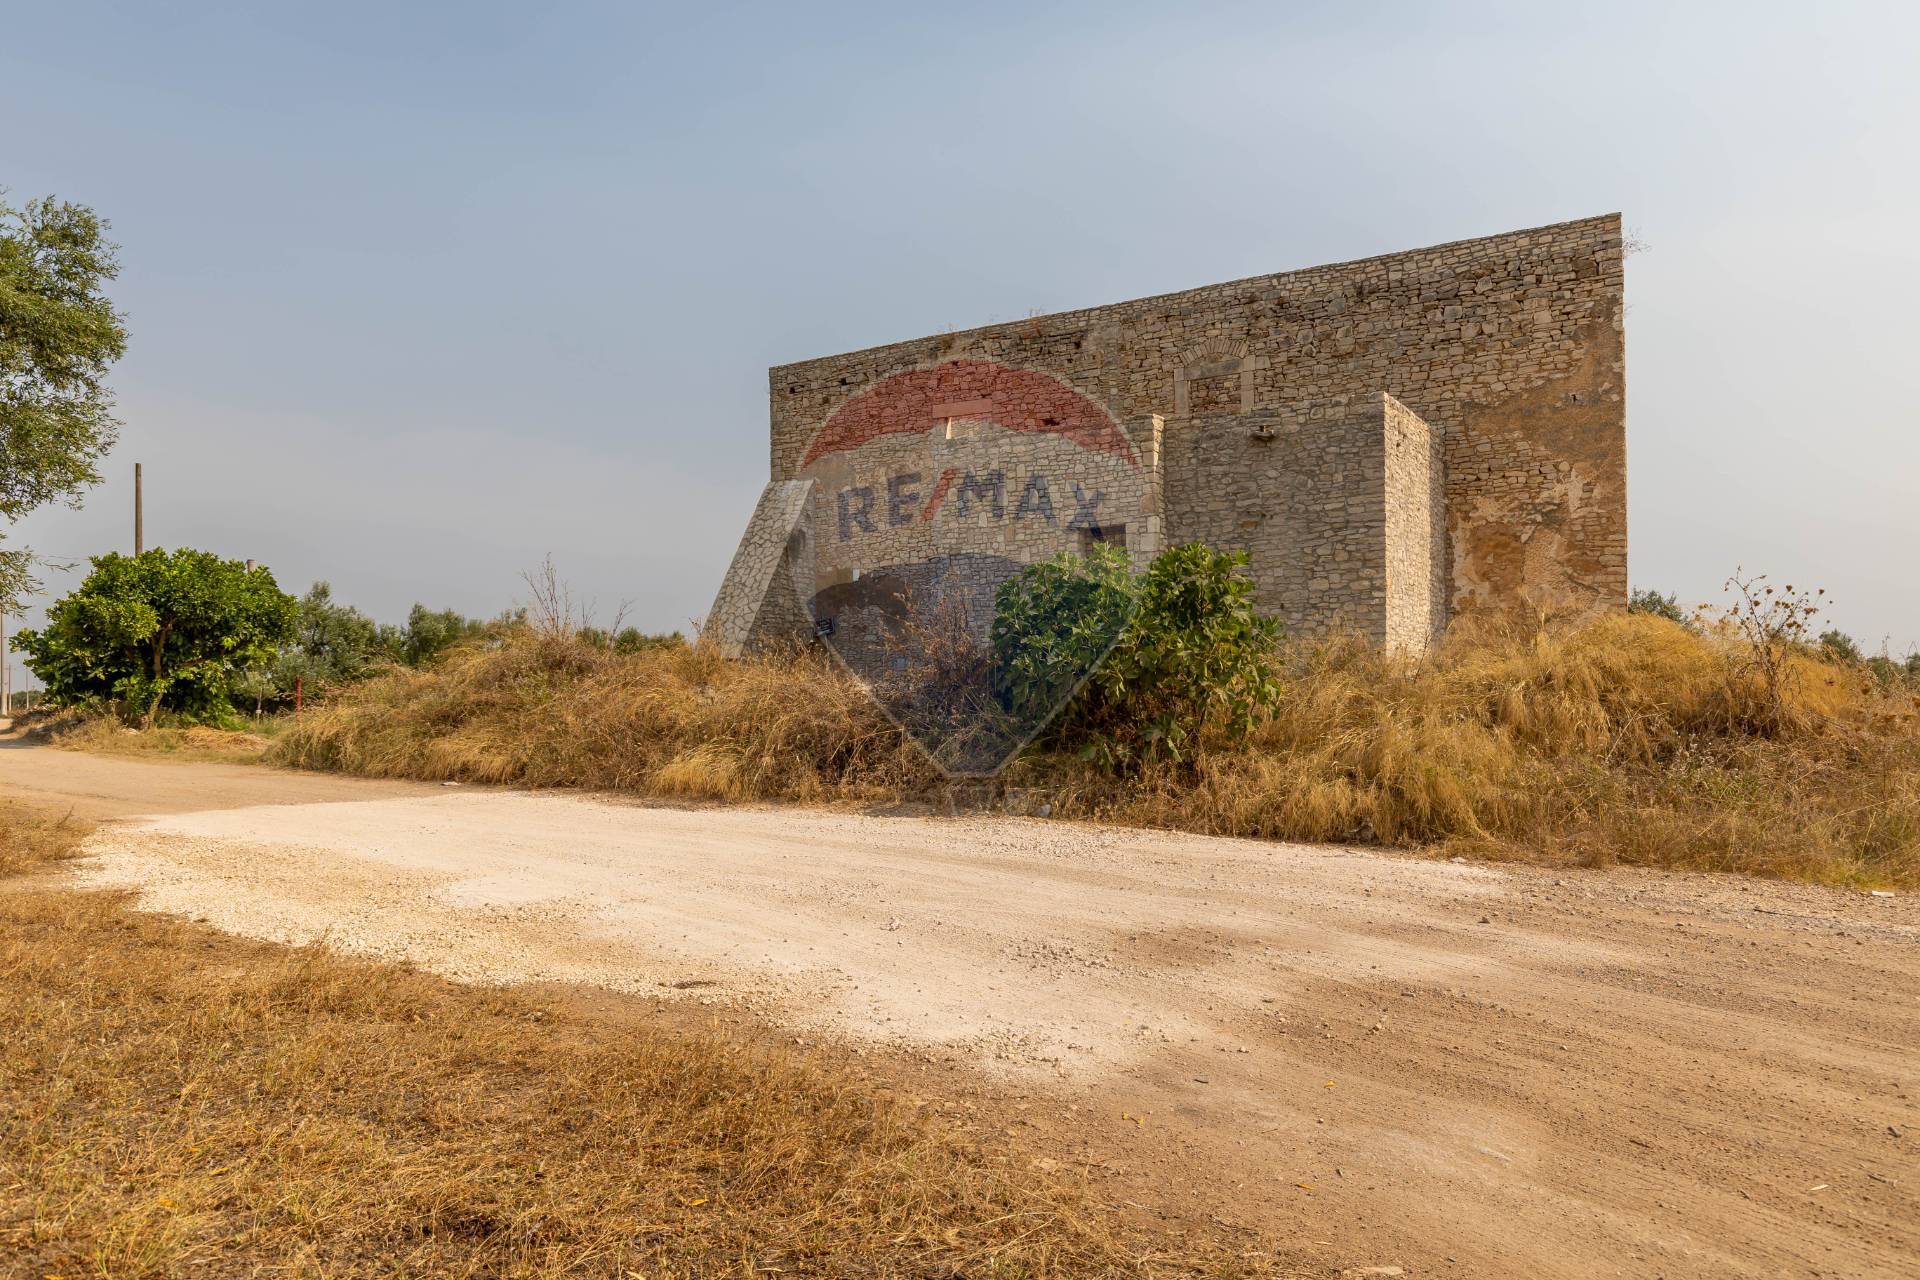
(1457, 1070)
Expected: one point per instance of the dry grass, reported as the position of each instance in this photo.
(107, 735)
(1626, 739)
(31, 837)
(548, 711)
(1621, 739)
(174, 1102)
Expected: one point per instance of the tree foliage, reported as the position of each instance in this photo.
(166, 629)
(58, 335)
(1194, 652)
(334, 645)
(1054, 623)
(430, 633)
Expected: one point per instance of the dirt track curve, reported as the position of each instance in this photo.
(1458, 1070)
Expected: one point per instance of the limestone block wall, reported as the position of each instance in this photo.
(1301, 494)
(1510, 347)
(1414, 501)
(756, 604)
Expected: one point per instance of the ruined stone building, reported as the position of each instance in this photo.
(1392, 441)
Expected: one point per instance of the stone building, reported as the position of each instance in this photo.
(1392, 441)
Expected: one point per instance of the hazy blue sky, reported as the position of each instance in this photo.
(420, 294)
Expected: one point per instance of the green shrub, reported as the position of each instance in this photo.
(1193, 654)
(166, 629)
(1054, 623)
(1645, 600)
(1197, 655)
(632, 639)
(1837, 646)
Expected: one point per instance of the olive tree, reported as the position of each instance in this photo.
(58, 335)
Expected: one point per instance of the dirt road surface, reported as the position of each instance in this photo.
(1457, 1070)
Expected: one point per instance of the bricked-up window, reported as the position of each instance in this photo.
(1113, 533)
(1215, 394)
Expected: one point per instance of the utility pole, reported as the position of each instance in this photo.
(6, 670)
(139, 528)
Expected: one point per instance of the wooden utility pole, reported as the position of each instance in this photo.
(139, 528)
(6, 670)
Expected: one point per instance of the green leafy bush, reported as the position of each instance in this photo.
(1197, 655)
(1837, 646)
(1193, 653)
(1054, 623)
(167, 629)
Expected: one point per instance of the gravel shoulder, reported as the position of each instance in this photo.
(1460, 1070)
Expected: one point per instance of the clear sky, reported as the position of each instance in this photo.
(419, 294)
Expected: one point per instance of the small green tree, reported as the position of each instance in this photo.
(1197, 653)
(430, 633)
(1054, 623)
(58, 335)
(333, 644)
(1837, 646)
(1193, 650)
(172, 629)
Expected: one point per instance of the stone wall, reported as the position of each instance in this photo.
(1414, 500)
(910, 525)
(1509, 347)
(756, 605)
(1301, 494)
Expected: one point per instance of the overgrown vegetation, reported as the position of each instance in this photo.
(334, 645)
(1620, 738)
(548, 709)
(1189, 652)
(107, 735)
(182, 638)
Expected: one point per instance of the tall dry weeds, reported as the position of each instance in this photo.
(1616, 739)
(1625, 739)
(548, 710)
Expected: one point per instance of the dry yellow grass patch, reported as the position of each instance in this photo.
(174, 1103)
(106, 735)
(1624, 740)
(1620, 739)
(31, 837)
(545, 711)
